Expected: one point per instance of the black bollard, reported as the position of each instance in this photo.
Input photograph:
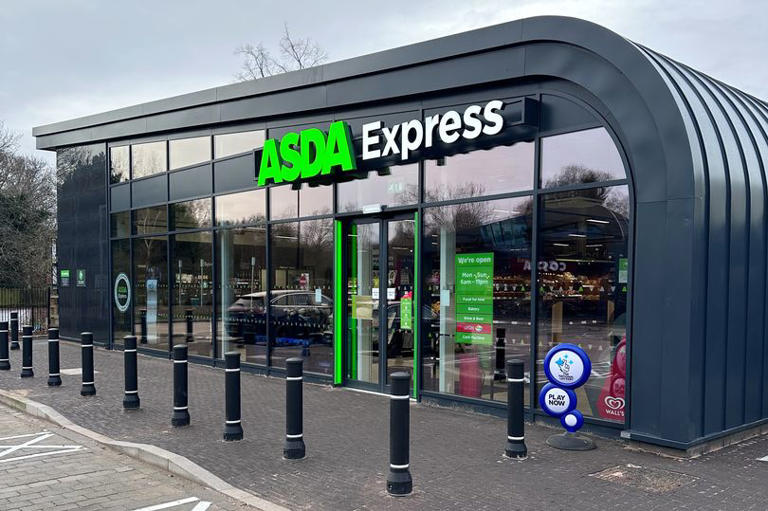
(143, 331)
(5, 359)
(86, 345)
(399, 482)
(180, 415)
(188, 317)
(26, 352)
(54, 374)
(233, 429)
(515, 402)
(294, 448)
(14, 330)
(131, 399)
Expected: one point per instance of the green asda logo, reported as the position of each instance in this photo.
(307, 154)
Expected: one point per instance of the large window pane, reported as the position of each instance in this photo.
(393, 186)
(118, 164)
(302, 301)
(150, 272)
(188, 151)
(121, 290)
(587, 156)
(501, 169)
(291, 201)
(583, 288)
(193, 214)
(150, 220)
(477, 295)
(283, 202)
(242, 208)
(148, 159)
(241, 298)
(120, 224)
(315, 200)
(236, 143)
(193, 292)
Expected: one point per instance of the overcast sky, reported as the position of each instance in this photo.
(68, 58)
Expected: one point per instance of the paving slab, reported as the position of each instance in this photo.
(456, 456)
(45, 467)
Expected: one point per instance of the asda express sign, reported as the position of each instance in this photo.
(311, 152)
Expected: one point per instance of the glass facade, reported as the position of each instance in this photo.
(193, 291)
(393, 186)
(148, 159)
(150, 275)
(498, 234)
(501, 169)
(545, 221)
(188, 151)
(237, 143)
(583, 285)
(301, 303)
(119, 164)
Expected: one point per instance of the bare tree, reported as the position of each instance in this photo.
(294, 54)
(27, 215)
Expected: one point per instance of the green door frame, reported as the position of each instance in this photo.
(340, 295)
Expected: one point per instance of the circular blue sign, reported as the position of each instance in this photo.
(557, 401)
(567, 365)
(572, 421)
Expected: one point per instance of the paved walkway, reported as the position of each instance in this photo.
(456, 458)
(44, 467)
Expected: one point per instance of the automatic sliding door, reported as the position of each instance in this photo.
(363, 249)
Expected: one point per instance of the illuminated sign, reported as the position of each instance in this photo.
(311, 152)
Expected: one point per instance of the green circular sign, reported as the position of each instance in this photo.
(122, 292)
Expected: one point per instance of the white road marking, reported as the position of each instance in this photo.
(167, 505)
(14, 448)
(22, 436)
(202, 506)
(37, 455)
(764, 458)
(30, 444)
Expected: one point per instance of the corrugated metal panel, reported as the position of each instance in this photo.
(727, 133)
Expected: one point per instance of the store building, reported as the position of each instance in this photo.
(458, 201)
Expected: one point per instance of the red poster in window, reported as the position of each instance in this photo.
(612, 400)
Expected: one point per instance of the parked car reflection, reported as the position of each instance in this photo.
(298, 318)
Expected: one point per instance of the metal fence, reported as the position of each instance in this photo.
(32, 304)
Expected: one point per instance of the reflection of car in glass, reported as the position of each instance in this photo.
(296, 316)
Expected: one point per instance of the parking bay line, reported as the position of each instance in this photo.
(74, 448)
(40, 438)
(166, 505)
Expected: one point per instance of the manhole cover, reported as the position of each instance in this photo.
(653, 480)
